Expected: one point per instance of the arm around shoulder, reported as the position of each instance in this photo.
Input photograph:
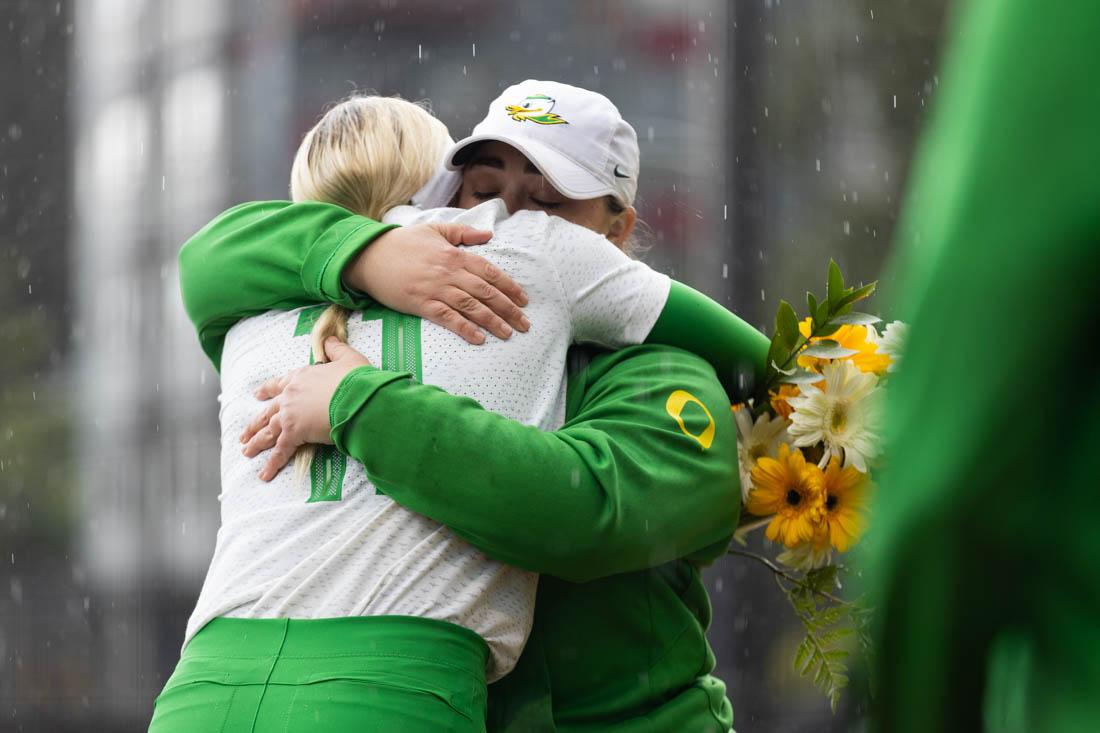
(268, 255)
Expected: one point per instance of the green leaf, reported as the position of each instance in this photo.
(831, 615)
(828, 349)
(777, 352)
(802, 656)
(832, 636)
(857, 295)
(786, 324)
(822, 314)
(835, 285)
(811, 306)
(800, 376)
(856, 319)
(822, 578)
(821, 679)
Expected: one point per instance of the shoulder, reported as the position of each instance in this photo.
(487, 215)
(652, 369)
(652, 399)
(649, 358)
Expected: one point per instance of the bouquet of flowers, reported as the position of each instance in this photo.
(809, 442)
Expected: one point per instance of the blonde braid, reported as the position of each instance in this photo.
(367, 154)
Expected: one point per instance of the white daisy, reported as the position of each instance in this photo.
(892, 342)
(843, 416)
(806, 557)
(756, 440)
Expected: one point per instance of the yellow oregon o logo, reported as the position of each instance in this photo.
(675, 408)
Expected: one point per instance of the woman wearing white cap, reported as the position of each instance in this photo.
(612, 291)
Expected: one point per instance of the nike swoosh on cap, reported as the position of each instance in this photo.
(619, 173)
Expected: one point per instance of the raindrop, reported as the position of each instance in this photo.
(14, 132)
(817, 164)
(847, 228)
(473, 50)
(725, 271)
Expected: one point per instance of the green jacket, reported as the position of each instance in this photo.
(617, 509)
(987, 575)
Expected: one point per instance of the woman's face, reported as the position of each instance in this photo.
(499, 171)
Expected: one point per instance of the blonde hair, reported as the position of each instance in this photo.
(367, 154)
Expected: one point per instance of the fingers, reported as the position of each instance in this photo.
(442, 314)
(285, 448)
(335, 349)
(494, 276)
(461, 234)
(272, 387)
(501, 307)
(259, 422)
(263, 439)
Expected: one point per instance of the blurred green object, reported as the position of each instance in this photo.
(36, 468)
(984, 558)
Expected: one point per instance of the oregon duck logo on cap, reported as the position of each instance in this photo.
(537, 108)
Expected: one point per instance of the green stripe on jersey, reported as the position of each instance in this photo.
(307, 318)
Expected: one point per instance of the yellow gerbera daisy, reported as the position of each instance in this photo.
(846, 498)
(780, 397)
(867, 358)
(791, 489)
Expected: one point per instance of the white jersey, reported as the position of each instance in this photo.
(334, 547)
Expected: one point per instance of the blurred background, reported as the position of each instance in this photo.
(774, 135)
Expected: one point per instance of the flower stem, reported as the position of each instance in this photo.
(781, 573)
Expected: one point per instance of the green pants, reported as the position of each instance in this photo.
(379, 673)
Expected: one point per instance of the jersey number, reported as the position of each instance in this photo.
(400, 353)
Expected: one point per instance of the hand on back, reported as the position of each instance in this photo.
(297, 412)
(422, 270)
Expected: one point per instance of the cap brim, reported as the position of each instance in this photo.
(439, 190)
(570, 179)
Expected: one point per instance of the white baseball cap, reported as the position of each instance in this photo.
(575, 137)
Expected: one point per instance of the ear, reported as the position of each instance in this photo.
(622, 226)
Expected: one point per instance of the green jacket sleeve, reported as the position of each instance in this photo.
(269, 255)
(984, 533)
(644, 472)
(693, 322)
